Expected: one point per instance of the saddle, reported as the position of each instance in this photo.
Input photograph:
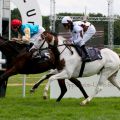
(94, 53)
(40, 56)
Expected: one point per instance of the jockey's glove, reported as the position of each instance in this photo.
(25, 40)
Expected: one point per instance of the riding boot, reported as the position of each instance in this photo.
(87, 57)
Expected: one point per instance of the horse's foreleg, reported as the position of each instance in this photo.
(62, 86)
(7, 74)
(62, 75)
(79, 85)
(35, 86)
(63, 89)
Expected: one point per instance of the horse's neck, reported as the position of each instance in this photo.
(7, 49)
(65, 50)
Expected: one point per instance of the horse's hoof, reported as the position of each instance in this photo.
(82, 104)
(32, 91)
(45, 97)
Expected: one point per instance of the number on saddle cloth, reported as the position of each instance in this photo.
(94, 53)
(41, 55)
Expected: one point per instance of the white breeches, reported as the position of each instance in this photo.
(35, 37)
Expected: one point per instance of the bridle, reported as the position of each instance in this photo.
(56, 44)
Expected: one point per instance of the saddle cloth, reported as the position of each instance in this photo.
(39, 56)
(94, 53)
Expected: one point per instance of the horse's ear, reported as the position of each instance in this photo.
(44, 33)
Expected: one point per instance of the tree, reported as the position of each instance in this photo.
(46, 23)
(117, 32)
(15, 14)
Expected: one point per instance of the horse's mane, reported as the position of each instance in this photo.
(54, 34)
(62, 38)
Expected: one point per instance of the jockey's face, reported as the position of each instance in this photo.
(15, 28)
(66, 26)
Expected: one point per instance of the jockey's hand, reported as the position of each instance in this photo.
(14, 39)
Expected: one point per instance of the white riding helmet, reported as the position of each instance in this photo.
(66, 19)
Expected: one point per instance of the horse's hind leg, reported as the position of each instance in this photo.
(105, 74)
(113, 80)
(62, 86)
(79, 85)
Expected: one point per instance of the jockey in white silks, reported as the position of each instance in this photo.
(81, 33)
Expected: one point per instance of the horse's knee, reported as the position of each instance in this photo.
(52, 78)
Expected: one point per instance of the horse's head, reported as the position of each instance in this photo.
(50, 38)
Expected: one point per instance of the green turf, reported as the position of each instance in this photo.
(32, 78)
(33, 107)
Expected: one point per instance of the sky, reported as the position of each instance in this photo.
(78, 6)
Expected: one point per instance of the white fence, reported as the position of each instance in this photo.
(89, 83)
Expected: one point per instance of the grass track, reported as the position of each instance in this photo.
(33, 107)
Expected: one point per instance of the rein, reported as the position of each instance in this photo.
(42, 45)
(66, 45)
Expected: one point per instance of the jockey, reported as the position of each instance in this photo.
(27, 33)
(81, 33)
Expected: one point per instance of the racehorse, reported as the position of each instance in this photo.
(19, 61)
(107, 67)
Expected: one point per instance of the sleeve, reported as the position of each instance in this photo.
(78, 34)
(26, 37)
(41, 29)
(77, 28)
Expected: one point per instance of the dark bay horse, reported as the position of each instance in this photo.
(19, 62)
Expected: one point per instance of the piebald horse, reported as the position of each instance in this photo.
(107, 67)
